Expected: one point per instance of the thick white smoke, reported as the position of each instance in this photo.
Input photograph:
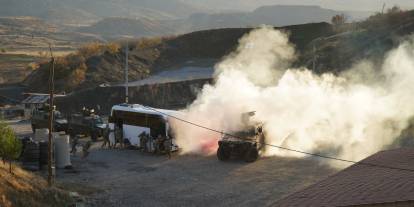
(349, 116)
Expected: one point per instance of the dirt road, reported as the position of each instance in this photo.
(115, 177)
(132, 178)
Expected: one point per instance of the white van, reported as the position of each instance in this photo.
(134, 119)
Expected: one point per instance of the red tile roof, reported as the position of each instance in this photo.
(362, 184)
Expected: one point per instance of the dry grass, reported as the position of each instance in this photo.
(23, 188)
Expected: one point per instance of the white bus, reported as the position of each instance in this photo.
(134, 119)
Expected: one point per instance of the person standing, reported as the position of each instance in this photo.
(106, 137)
(168, 146)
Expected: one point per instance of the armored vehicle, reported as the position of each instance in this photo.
(247, 144)
(40, 119)
(86, 123)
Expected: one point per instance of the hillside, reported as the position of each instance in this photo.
(277, 15)
(33, 187)
(96, 64)
(24, 42)
(336, 48)
(369, 39)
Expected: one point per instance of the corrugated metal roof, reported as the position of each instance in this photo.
(36, 99)
(362, 184)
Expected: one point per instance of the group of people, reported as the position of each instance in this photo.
(159, 144)
(112, 137)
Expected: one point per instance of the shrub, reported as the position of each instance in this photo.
(112, 48)
(10, 146)
(90, 50)
(78, 76)
(145, 43)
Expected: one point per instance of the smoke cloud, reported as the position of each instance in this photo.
(351, 115)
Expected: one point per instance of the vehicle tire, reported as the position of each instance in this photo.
(43, 157)
(31, 156)
(71, 133)
(223, 154)
(94, 136)
(251, 154)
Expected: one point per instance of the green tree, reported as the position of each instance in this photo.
(10, 146)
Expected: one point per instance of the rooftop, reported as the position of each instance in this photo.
(363, 184)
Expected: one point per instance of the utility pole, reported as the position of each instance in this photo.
(50, 177)
(126, 72)
(383, 7)
(314, 58)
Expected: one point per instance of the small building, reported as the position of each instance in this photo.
(364, 185)
(35, 101)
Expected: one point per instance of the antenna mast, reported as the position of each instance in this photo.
(126, 72)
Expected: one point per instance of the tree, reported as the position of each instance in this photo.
(10, 146)
(395, 9)
(338, 19)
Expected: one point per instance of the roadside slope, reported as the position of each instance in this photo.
(33, 187)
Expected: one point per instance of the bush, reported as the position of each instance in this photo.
(10, 146)
(145, 43)
(91, 49)
(112, 48)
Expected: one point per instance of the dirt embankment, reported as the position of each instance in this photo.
(33, 187)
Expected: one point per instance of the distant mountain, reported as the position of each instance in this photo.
(277, 15)
(84, 11)
(117, 27)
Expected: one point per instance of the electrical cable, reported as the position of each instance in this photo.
(280, 147)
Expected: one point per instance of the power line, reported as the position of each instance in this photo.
(280, 147)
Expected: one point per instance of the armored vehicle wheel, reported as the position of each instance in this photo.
(223, 154)
(251, 154)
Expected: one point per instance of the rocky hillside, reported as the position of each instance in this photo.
(96, 64)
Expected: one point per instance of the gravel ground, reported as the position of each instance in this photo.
(120, 177)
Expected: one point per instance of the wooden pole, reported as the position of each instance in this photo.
(50, 179)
